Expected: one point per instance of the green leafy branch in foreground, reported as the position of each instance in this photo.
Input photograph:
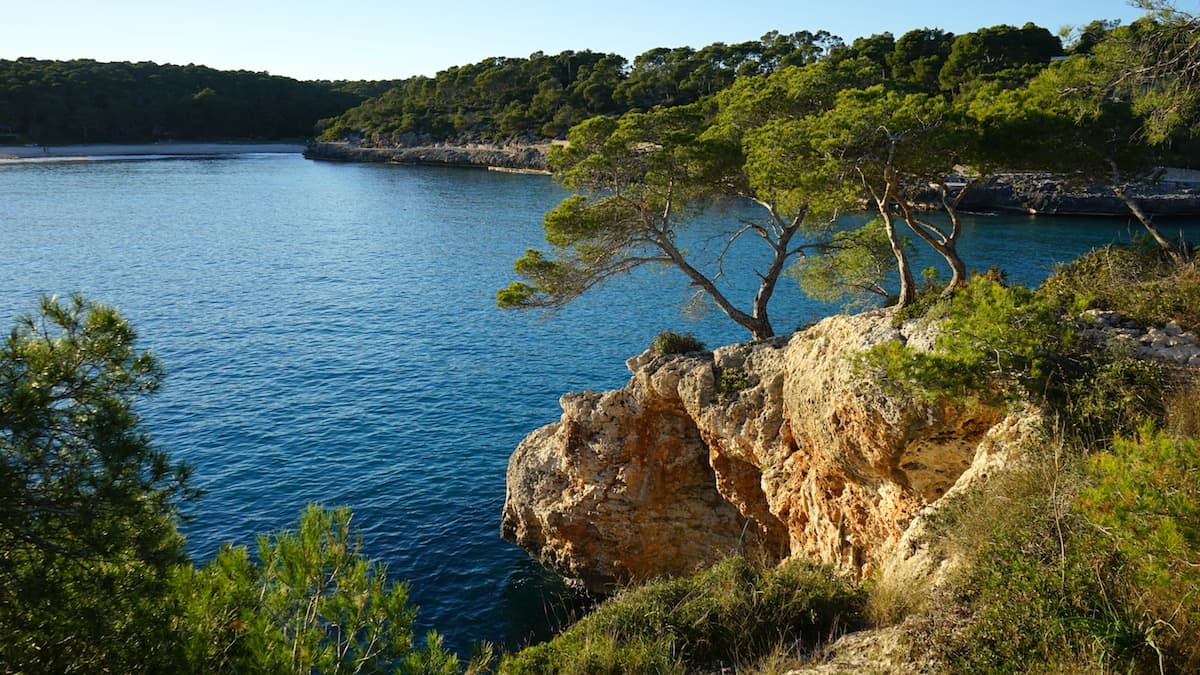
(313, 604)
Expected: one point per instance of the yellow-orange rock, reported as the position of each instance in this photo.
(774, 449)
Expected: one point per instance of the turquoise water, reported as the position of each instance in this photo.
(330, 335)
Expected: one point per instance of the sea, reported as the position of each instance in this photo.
(330, 335)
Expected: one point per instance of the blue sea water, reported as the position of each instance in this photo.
(330, 335)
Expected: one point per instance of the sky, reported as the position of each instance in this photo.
(390, 39)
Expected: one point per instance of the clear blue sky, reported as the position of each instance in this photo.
(384, 39)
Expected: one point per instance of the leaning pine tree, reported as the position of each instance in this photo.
(638, 181)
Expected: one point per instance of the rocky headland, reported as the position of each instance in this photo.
(776, 449)
(787, 448)
(1175, 193)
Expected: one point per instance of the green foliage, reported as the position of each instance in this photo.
(92, 572)
(852, 269)
(1088, 557)
(721, 616)
(1038, 586)
(543, 96)
(998, 52)
(638, 180)
(994, 341)
(730, 380)
(1145, 499)
(1000, 343)
(1113, 393)
(1138, 281)
(1153, 62)
(668, 342)
(87, 505)
(84, 101)
(311, 603)
(918, 57)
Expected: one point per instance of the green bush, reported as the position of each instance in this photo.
(730, 380)
(1038, 585)
(994, 342)
(1145, 500)
(668, 342)
(311, 603)
(722, 616)
(998, 343)
(1139, 281)
(88, 505)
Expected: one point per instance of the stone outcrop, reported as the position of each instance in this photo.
(1176, 193)
(513, 156)
(774, 449)
(1169, 344)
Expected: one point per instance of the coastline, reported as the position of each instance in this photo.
(58, 153)
(514, 157)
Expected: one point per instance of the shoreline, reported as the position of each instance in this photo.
(38, 153)
(512, 158)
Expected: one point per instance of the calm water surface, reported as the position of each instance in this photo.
(330, 335)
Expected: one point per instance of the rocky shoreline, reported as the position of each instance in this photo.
(522, 157)
(1175, 194)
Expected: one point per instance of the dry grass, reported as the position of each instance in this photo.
(1183, 408)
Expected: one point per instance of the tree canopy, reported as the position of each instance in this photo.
(864, 126)
(85, 101)
(87, 504)
(543, 96)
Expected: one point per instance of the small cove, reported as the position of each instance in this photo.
(330, 334)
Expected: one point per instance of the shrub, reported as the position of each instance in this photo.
(994, 342)
(668, 342)
(1183, 409)
(1145, 499)
(721, 616)
(311, 603)
(1139, 281)
(1037, 586)
(730, 380)
(998, 343)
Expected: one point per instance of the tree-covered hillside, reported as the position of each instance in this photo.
(543, 96)
(86, 101)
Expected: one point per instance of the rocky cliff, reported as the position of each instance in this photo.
(775, 449)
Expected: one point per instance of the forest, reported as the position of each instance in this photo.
(544, 96)
(536, 97)
(85, 101)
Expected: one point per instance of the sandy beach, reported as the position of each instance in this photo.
(26, 153)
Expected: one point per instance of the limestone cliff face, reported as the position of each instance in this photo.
(773, 449)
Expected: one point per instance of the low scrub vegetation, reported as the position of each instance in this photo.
(731, 614)
(1138, 281)
(668, 342)
(1084, 557)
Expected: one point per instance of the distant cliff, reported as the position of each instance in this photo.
(513, 156)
